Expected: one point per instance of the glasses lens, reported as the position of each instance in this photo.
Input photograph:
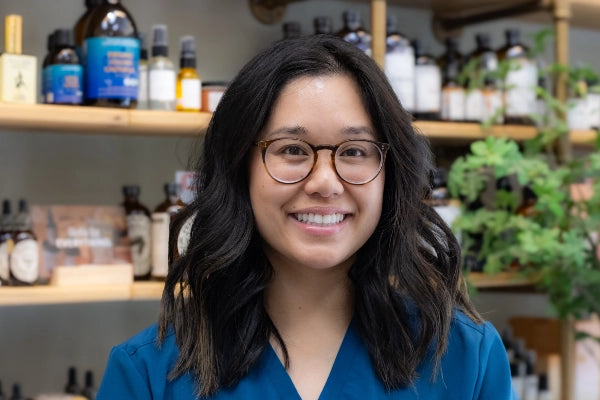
(358, 161)
(289, 160)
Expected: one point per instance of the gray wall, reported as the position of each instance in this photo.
(37, 344)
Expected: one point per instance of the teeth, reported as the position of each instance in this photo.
(318, 219)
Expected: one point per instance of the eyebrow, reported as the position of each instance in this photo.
(301, 131)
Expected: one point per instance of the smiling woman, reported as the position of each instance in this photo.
(309, 205)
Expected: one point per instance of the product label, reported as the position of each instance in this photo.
(18, 78)
(161, 85)
(191, 94)
(160, 244)
(4, 257)
(400, 70)
(428, 88)
(24, 261)
(453, 104)
(140, 240)
(520, 93)
(213, 100)
(492, 106)
(112, 67)
(577, 116)
(474, 105)
(63, 84)
(143, 87)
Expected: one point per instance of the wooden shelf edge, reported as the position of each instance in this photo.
(101, 120)
(500, 280)
(472, 131)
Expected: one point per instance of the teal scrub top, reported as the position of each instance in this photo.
(475, 366)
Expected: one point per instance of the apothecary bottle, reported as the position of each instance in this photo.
(428, 84)
(63, 75)
(80, 27)
(353, 31)
(161, 221)
(138, 231)
(400, 64)
(188, 89)
(6, 242)
(453, 94)
(24, 258)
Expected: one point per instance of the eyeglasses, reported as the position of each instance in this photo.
(292, 160)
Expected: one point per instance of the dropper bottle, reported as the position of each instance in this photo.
(161, 82)
(187, 89)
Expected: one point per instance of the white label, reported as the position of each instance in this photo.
(213, 100)
(453, 104)
(594, 109)
(530, 387)
(4, 261)
(520, 94)
(190, 94)
(428, 88)
(143, 85)
(162, 85)
(577, 116)
(518, 386)
(474, 105)
(139, 232)
(492, 104)
(24, 261)
(160, 244)
(400, 71)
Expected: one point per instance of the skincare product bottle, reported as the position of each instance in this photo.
(188, 89)
(162, 76)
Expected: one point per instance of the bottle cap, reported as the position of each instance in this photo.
(50, 43)
(89, 379)
(92, 3)
(291, 29)
(160, 40)
(188, 46)
(23, 207)
(351, 19)
(13, 34)
(323, 25)
(64, 38)
(512, 36)
(6, 207)
(543, 382)
(391, 24)
(131, 190)
(482, 40)
(143, 46)
(172, 189)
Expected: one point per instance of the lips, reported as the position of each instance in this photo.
(320, 219)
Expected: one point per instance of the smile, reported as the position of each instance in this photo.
(320, 220)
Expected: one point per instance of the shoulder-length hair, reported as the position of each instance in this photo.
(407, 276)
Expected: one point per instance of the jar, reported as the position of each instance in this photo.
(211, 95)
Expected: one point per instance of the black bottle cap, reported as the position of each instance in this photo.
(291, 29)
(351, 19)
(143, 46)
(482, 40)
(391, 24)
(188, 52)
(439, 178)
(72, 376)
(323, 25)
(172, 189)
(92, 3)
(543, 382)
(512, 36)
(51, 42)
(418, 47)
(64, 38)
(89, 379)
(131, 190)
(451, 43)
(16, 391)
(160, 40)
(6, 207)
(23, 206)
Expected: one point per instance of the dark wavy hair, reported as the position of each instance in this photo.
(408, 270)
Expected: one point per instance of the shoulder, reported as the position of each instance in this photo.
(145, 346)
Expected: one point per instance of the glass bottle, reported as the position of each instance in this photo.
(400, 64)
(89, 390)
(161, 220)
(354, 33)
(142, 101)
(63, 73)
(291, 30)
(45, 63)
(2, 396)
(188, 88)
(520, 82)
(453, 94)
(6, 242)
(112, 54)
(428, 85)
(80, 26)
(16, 392)
(323, 25)
(138, 231)
(491, 95)
(50, 252)
(72, 387)
(24, 258)
(162, 76)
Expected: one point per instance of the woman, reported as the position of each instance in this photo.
(314, 269)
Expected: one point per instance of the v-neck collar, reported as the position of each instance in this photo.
(337, 376)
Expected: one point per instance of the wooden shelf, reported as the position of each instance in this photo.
(472, 131)
(504, 280)
(100, 120)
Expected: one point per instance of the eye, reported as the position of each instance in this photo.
(292, 150)
(353, 151)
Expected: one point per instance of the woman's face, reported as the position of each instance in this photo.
(320, 110)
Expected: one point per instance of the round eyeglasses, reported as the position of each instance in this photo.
(292, 160)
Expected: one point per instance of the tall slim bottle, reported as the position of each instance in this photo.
(428, 85)
(491, 94)
(138, 231)
(188, 87)
(142, 102)
(24, 258)
(161, 221)
(81, 25)
(112, 54)
(354, 33)
(520, 83)
(323, 25)
(291, 30)
(453, 94)
(6, 242)
(162, 76)
(400, 64)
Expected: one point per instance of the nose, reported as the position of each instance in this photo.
(323, 180)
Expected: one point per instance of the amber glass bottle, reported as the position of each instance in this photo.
(353, 31)
(188, 93)
(161, 221)
(6, 242)
(453, 94)
(81, 25)
(24, 258)
(323, 25)
(112, 54)
(138, 231)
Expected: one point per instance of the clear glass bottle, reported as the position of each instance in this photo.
(161, 220)
(428, 85)
(142, 101)
(400, 64)
(291, 30)
(453, 94)
(161, 71)
(520, 82)
(188, 89)
(24, 258)
(80, 26)
(353, 31)
(6, 242)
(138, 231)
(63, 73)
(485, 101)
(323, 25)
(112, 54)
